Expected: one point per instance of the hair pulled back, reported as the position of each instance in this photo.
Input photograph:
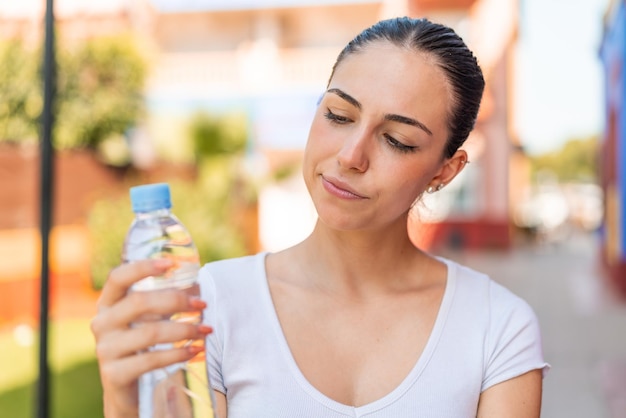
(451, 54)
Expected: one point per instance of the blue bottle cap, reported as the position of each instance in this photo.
(150, 197)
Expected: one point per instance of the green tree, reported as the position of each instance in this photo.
(99, 91)
(577, 160)
(20, 93)
(213, 136)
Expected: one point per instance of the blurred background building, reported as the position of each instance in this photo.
(271, 60)
(274, 60)
(613, 157)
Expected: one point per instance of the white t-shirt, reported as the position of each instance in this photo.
(483, 335)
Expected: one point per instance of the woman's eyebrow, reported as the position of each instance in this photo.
(390, 117)
(408, 121)
(345, 96)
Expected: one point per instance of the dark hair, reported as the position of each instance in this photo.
(452, 55)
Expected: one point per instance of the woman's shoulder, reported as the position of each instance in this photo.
(474, 286)
(510, 326)
(233, 271)
(511, 331)
(235, 264)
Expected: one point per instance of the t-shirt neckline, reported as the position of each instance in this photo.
(397, 392)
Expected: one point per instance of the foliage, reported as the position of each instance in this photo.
(20, 95)
(108, 221)
(203, 207)
(577, 160)
(206, 210)
(99, 91)
(212, 136)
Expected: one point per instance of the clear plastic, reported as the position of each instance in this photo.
(180, 390)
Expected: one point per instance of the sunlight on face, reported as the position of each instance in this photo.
(378, 136)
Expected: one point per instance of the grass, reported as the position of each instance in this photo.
(74, 393)
(75, 389)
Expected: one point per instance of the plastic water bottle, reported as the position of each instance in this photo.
(180, 390)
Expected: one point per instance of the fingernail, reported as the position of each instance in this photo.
(197, 303)
(205, 329)
(195, 349)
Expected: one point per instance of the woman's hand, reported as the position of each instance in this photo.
(120, 346)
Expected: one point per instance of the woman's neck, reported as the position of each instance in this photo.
(361, 261)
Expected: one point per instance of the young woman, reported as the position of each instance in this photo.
(354, 321)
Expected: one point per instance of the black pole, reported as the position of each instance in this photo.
(47, 154)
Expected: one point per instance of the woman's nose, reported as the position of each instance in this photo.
(354, 154)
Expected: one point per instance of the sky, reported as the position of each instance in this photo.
(559, 91)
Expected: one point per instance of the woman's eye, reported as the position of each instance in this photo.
(335, 118)
(398, 145)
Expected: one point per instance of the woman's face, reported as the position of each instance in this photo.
(377, 139)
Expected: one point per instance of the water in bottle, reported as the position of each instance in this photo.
(180, 390)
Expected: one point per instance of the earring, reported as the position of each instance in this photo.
(432, 189)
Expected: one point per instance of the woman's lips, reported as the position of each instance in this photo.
(340, 189)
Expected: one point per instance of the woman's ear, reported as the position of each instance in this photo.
(449, 170)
